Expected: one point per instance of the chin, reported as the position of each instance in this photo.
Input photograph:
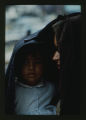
(32, 82)
(58, 68)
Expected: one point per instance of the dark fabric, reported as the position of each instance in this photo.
(68, 36)
(70, 65)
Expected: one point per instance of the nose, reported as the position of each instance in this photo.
(31, 65)
(56, 56)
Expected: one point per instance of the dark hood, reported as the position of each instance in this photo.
(42, 38)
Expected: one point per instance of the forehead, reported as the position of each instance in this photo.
(35, 55)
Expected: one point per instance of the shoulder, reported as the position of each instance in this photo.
(50, 85)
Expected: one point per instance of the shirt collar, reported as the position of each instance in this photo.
(40, 84)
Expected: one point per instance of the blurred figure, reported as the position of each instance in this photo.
(67, 54)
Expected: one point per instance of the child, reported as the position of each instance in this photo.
(31, 77)
(33, 93)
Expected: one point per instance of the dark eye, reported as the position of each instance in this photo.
(26, 62)
(38, 62)
(54, 49)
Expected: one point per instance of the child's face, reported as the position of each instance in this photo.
(32, 69)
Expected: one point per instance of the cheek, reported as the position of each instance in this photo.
(39, 70)
(24, 71)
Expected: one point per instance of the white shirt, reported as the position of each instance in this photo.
(34, 100)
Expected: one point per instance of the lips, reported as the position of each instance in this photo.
(32, 74)
(58, 64)
(29, 74)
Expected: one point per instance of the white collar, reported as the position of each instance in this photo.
(41, 84)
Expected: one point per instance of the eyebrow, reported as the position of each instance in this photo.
(35, 57)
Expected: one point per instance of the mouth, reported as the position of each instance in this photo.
(30, 75)
(58, 67)
(58, 64)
